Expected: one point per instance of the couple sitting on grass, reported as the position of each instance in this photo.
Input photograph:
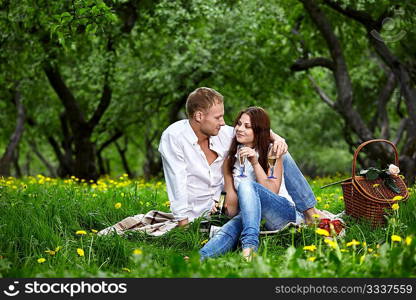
(199, 158)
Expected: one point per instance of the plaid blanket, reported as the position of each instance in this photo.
(154, 223)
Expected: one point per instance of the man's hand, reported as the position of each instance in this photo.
(183, 223)
(214, 208)
(279, 144)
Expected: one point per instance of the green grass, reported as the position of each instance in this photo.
(39, 214)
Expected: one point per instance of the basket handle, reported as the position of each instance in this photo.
(354, 161)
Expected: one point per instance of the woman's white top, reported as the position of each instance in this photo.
(249, 172)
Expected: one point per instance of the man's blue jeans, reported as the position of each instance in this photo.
(256, 203)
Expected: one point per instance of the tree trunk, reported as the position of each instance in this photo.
(122, 153)
(18, 170)
(102, 168)
(153, 164)
(84, 149)
(35, 150)
(7, 158)
(85, 165)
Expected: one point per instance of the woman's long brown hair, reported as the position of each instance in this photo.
(260, 123)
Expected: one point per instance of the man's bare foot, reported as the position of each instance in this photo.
(312, 215)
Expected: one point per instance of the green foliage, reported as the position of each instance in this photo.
(157, 52)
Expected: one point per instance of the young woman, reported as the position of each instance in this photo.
(255, 197)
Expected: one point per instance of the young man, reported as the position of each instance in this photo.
(193, 152)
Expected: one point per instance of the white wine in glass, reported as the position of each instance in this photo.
(241, 161)
(271, 160)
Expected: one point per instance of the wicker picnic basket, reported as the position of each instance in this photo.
(371, 199)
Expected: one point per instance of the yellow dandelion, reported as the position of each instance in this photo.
(81, 232)
(167, 203)
(312, 258)
(376, 185)
(321, 231)
(326, 206)
(94, 231)
(137, 252)
(80, 252)
(344, 250)
(408, 240)
(319, 199)
(204, 242)
(353, 243)
(370, 250)
(310, 248)
(94, 195)
(397, 198)
(395, 206)
(330, 243)
(117, 205)
(58, 248)
(126, 270)
(364, 244)
(41, 260)
(316, 216)
(340, 198)
(50, 252)
(396, 238)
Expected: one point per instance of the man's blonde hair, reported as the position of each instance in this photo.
(202, 98)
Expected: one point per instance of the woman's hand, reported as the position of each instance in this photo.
(250, 154)
(279, 144)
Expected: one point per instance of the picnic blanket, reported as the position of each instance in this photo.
(154, 223)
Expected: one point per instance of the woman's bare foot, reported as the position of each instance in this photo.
(248, 254)
(312, 215)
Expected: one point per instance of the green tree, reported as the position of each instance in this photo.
(362, 124)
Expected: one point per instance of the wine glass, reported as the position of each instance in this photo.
(271, 160)
(241, 161)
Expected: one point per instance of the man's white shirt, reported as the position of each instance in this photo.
(192, 184)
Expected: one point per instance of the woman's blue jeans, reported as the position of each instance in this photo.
(256, 203)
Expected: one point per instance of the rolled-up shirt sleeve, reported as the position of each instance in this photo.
(174, 168)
